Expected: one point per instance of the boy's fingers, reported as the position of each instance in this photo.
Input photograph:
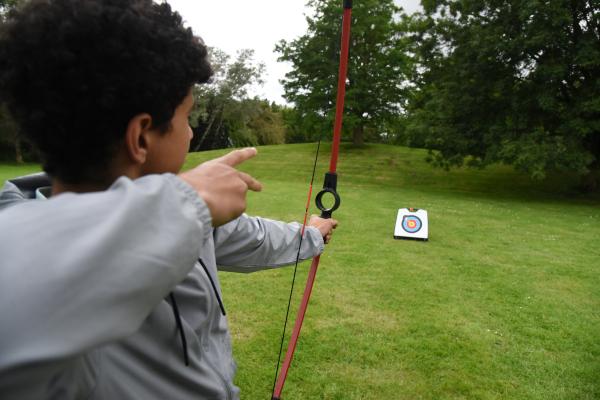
(252, 183)
(237, 157)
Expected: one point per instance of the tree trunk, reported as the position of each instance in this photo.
(589, 182)
(211, 121)
(358, 135)
(18, 151)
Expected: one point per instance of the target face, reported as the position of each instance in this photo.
(411, 223)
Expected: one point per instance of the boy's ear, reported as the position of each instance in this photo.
(137, 138)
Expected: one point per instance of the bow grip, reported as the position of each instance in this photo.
(329, 186)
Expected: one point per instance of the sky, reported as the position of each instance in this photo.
(232, 25)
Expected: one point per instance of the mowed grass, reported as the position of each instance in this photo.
(503, 302)
(8, 171)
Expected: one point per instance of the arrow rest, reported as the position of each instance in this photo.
(329, 186)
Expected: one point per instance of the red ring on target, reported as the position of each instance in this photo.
(411, 223)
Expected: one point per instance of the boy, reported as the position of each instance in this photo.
(109, 290)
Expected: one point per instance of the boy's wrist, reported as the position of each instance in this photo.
(202, 209)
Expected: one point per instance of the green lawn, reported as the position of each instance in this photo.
(8, 171)
(503, 302)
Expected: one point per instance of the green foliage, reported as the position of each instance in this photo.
(12, 146)
(501, 303)
(376, 70)
(224, 115)
(507, 81)
(6, 5)
(267, 124)
(9, 142)
(7, 134)
(294, 129)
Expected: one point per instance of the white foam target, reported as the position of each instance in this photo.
(412, 223)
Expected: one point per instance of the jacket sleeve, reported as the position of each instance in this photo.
(81, 270)
(249, 244)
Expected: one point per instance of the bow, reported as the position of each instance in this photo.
(329, 187)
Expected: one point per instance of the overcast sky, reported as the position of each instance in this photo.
(232, 25)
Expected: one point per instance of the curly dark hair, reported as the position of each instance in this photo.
(74, 72)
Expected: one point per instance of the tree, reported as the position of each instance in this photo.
(293, 129)
(9, 138)
(267, 123)
(375, 88)
(10, 142)
(6, 5)
(508, 81)
(222, 113)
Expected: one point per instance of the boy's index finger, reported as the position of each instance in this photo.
(237, 157)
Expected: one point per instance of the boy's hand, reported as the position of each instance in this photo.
(325, 226)
(222, 187)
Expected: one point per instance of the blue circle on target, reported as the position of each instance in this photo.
(411, 224)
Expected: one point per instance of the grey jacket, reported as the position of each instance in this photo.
(84, 285)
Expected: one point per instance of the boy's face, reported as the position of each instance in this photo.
(169, 149)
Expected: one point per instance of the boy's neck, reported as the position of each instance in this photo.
(120, 167)
(61, 187)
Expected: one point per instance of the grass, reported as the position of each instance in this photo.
(503, 302)
(8, 171)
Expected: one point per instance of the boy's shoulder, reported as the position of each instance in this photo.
(22, 188)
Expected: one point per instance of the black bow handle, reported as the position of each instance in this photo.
(329, 186)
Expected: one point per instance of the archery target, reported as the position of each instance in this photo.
(412, 223)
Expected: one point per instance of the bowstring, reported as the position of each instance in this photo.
(287, 313)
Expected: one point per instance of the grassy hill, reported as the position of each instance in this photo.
(503, 302)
